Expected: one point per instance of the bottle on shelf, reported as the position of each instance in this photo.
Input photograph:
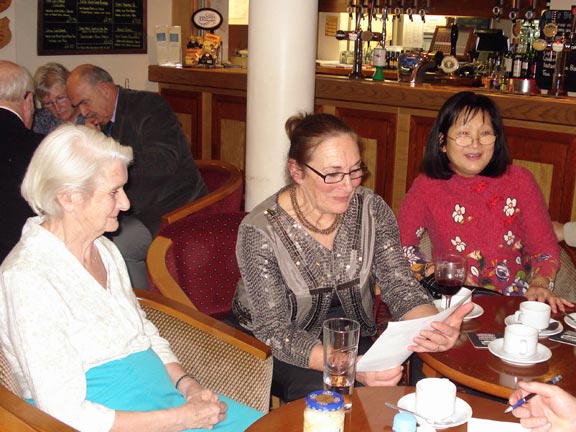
(508, 64)
(532, 64)
(517, 65)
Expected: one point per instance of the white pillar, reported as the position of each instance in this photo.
(281, 78)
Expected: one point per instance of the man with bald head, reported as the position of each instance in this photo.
(163, 176)
(17, 144)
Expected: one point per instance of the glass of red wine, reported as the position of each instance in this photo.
(450, 275)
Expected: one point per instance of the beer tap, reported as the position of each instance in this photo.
(531, 12)
(358, 36)
(410, 10)
(562, 47)
(513, 14)
(424, 10)
(497, 10)
(388, 8)
(399, 9)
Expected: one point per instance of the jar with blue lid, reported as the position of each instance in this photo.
(324, 412)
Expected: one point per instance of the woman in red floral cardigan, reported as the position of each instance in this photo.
(472, 201)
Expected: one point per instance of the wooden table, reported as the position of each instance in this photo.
(369, 412)
(481, 370)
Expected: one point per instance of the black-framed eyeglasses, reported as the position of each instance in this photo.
(58, 101)
(337, 177)
(485, 139)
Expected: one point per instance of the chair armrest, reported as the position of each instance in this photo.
(220, 357)
(565, 283)
(17, 415)
(161, 277)
(234, 183)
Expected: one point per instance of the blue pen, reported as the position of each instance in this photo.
(526, 398)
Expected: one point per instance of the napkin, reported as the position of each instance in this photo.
(483, 425)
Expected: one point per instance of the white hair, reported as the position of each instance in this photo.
(15, 82)
(69, 159)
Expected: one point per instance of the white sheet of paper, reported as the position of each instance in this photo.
(391, 348)
(483, 425)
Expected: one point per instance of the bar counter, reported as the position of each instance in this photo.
(393, 120)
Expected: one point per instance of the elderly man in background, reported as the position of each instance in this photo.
(163, 176)
(17, 144)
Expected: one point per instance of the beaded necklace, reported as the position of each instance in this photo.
(307, 224)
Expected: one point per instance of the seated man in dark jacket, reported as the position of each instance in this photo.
(163, 176)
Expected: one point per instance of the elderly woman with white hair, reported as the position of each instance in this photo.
(70, 325)
(56, 108)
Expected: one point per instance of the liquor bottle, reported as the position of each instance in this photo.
(524, 67)
(517, 65)
(532, 64)
(508, 63)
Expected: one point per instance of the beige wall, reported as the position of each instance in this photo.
(122, 67)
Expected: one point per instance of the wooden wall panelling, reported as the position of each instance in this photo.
(188, 108)
(420, 127)
(553, 158)
(229, 129)
(377, 132)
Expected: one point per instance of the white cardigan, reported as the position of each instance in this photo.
(56, 322)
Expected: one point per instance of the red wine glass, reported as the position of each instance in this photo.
(450, 274)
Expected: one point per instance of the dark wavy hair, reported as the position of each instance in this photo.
(307, 131)
(464, 105)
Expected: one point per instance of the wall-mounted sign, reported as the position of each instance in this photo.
(207, 19)
(5, 33)
(4, 4)
(91, 27)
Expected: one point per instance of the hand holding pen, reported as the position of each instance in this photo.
(522, 401)
(554, 408)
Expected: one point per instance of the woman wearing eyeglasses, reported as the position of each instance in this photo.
(56, 108)
(472, 201)
(315, 250)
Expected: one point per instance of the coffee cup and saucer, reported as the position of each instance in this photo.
(536, 314)
(435, 403)
(520, 346)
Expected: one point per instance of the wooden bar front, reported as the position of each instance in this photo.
(393, 120)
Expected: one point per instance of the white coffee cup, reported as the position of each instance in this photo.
(435, 398)
(534, 314)
(520, 341)
(463, 292)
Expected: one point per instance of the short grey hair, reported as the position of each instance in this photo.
(15, 82)
(47, 76)
(70, 159)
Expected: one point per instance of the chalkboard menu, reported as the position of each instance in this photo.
(91, 27)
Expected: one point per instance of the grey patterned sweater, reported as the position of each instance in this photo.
(288, 278)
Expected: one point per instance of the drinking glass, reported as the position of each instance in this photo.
(340, 340)
(450, 274)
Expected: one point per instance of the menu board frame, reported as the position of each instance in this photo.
(70, 30)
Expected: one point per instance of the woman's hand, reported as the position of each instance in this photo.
(388, 377)
(543, 294)
(203, 395)
(445, 333)
(553, 409)
(202, 414)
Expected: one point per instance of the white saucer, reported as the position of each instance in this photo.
(570, 323)
(462, 411)
(496, 347)
(474, 313)
(510, 319)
